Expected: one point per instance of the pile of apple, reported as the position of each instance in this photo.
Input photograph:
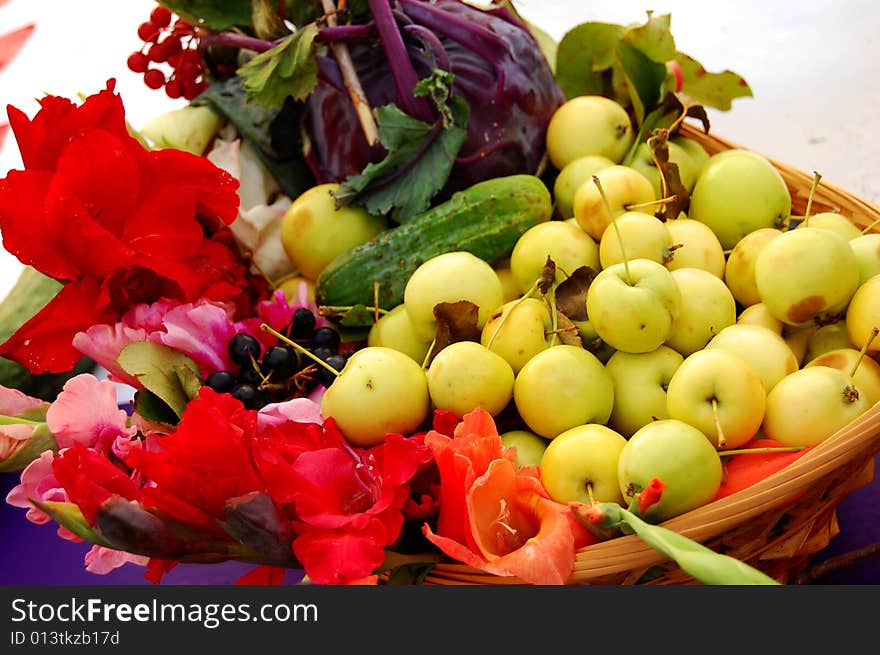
(734, 321)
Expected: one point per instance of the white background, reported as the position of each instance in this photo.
(812, 65)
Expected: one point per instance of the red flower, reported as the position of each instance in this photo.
(117, 224)
(203, 463)
(494, 517)
(90, 479)
(349, 505)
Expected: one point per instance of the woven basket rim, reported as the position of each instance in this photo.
(859, 439)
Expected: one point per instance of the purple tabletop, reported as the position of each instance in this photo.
(35, 555)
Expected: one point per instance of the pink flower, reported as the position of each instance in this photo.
(16, 405)
(102, 560)
(298, 410)
(86, 411)
(38, 481)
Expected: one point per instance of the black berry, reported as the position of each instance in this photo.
(281, 361)
(247, 394)
(323, 352)
(242, 346)
(249, 375)
(303, 324)
(327, 377)
(221, 381)
(326, 337)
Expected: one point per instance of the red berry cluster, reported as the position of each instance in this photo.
(172, 42)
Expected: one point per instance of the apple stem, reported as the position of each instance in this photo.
(616, 229)
(816, 178)
(590, 493)
(871, 226)
(554, 317)
(722, 440)
(376, 301)
(650, 203)
(429, 353)
(874, 332)
(769, 449)
(520, 300)
(298, 348)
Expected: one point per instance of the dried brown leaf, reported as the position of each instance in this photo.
(571, 294)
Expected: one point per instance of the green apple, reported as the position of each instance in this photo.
(707, 307)
(694, 148)
(715, 388)
(739, 272)
(395, 330)
(509, 286)
(622, 187)
(518, 331)
(644, 163)
(633, 305)
(695, 246)
(466, 375)
(863, 370)
(190, 128)
(798, 338)
(761, 347)
(635, 235)
(379, 391)
(581, 457)
(737, 192)
(806, 275)
(451, 277)
(832, 336)
(529, 446)
(863, 315)
(562, 387)
(681, 457)
(567, 245)
(758, 314)
(640, 382)
(314, 230)
(572, 175)
(866, 248)
(812, 404)
(588, 125)
(831, 221)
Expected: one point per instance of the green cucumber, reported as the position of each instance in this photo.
(485, 219)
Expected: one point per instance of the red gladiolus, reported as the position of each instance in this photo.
(203, 463)
(115, 223)
(90, 479)
(350, 505)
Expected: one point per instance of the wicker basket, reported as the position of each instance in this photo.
(779, 523)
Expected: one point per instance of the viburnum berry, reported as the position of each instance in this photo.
(138, 62)
(154, 78)
(148, 31)
(161, 16)
(173, 42)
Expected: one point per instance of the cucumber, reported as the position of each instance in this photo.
(485, 219)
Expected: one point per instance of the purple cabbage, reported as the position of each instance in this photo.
(498, 67)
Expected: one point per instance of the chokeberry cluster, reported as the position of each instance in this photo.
(173, 42)
(282, 371)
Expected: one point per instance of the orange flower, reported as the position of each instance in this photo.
(494, 517)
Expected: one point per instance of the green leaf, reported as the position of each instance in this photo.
(653, 39)
(420, 157)
(358, 316)
(584, 56)
(288, 69)
(216, 15)
(272, 133)
(169, 374)
(70, 516)
(644, 79)
(40, 441)
(151, 407)
(716, 90)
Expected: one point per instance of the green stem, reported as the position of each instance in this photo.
(616, 229)
(522, 299)
(816, 178)
(769, 449)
